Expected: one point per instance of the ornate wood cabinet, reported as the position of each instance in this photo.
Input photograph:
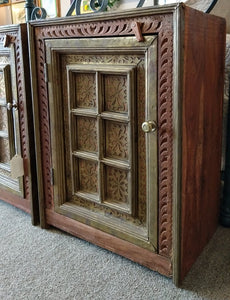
(128, 110)
(17, 174)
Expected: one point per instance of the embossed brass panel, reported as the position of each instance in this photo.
(115, 89)
(85, 90)
(8, 128)
(88, 176)
(86, 134)
(102, 133)
(96, 120)
(116, 140)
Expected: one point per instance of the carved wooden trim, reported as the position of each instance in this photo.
(156, 24)
(149, 24)
(44, 124)
(22, 116)
(165, 143)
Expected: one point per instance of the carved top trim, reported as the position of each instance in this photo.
(150, 24)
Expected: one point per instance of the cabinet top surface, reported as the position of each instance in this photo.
(146, 11)
(10, 28)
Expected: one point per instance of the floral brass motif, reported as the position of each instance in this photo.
(116, 140)
(101, 59)
(116, 93)
(117, 185)
(88, 176)
(87, 134)
(85, 90)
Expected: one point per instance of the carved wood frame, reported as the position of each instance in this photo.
(154, 21)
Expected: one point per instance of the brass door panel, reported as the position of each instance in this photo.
(102, 128)
(98, 102)
(9, 125)
(18, 180)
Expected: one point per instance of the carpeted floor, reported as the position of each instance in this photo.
(51, 265)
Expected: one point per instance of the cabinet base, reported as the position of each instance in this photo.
(137, 254)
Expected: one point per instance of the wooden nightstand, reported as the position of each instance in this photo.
(128, 117)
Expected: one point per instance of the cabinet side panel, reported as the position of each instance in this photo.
(204, 38)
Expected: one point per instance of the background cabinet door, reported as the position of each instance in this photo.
(18, 181)
(9, 130)
(105, 163)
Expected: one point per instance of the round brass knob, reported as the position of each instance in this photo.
(149, 126)
(10, 106)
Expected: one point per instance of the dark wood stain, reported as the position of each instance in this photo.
(204, 44)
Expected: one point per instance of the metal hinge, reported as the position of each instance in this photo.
(46, 72)
(52, 176)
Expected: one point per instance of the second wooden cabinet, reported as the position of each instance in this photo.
(18, 185)
(128, 120)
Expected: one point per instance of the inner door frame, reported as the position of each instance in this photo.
(127, 46)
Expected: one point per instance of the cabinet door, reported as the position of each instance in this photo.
(9, 124)
(102, 99)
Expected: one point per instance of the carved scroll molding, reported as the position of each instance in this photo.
(162, 25)
(103, 28)
(22, 110)
(165, 141)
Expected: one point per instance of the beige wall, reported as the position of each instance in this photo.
(128, 4)
(123, 4)
(5, 15)
(222, 9)
(64, 5)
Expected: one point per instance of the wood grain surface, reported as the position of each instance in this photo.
(137, 254)
(204, 44)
